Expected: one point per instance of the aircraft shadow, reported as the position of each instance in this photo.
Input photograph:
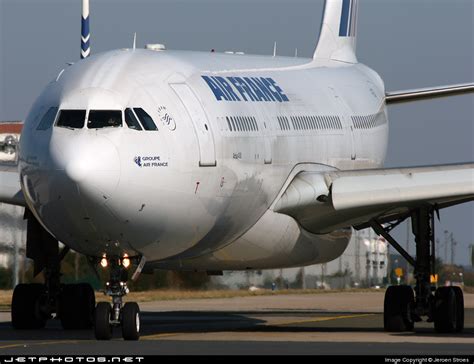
(163, 323)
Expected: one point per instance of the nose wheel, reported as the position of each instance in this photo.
(103, 321)
(107, 316)
(131, 321)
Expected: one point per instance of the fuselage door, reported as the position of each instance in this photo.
(207, 152)
(344, 113)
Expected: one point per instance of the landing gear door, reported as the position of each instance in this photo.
(207, 152)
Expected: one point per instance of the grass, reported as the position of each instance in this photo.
(169, 295)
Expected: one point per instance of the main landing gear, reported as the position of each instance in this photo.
(34, 304)
(118, 314)
(404, 306)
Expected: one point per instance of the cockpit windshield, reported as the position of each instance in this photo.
(131, 120)
(104, 119)
(73, 119)
(145, 119)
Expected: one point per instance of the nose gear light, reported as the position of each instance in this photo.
(126, 261)
(103, 262)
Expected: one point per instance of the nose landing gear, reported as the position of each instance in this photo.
(126, 315)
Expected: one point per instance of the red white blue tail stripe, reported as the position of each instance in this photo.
(85, 30)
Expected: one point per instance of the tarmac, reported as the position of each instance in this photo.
(326, 323)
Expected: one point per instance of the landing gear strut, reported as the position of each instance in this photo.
(118, 314)
(403, 306)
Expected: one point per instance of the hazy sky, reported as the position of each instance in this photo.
(411, 43)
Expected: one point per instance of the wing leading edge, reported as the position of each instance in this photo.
(325, 201)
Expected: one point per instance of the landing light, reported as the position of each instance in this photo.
(126, 261)
(103, 262)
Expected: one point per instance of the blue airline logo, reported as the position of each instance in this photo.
(245, 89)
(347, 27)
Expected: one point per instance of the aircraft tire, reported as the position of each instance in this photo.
(449, 310)
(25, 306)
(397, 309)
(102, 325)
(460, 309)
(77, 304)
(131, 321)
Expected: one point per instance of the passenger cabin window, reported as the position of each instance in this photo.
(48, 119)
(228, 123)
(99, 119)
(145, 119)
(131, 120)
(72, 119)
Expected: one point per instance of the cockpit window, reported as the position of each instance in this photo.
(145, 119)
(131, 120)
(104, 119)
(48, 119)
(71, 119)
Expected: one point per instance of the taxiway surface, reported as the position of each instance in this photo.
(327, 323)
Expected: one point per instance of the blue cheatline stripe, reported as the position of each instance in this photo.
(343, 27)
(85, 27)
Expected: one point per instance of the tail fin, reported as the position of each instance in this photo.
(85, 30)
(337, 39)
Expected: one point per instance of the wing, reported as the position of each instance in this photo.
(10, 188)
(324, 201)
(428, 93)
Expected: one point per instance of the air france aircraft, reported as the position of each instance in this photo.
(145, 159)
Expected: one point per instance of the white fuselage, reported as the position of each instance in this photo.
(197, 193)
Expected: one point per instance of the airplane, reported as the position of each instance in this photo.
(145, 159)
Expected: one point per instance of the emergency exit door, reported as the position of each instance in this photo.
(202, 128)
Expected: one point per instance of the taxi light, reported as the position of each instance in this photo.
(126, 261)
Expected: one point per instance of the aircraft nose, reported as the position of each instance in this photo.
(70, 188)
(95, 167)
(91, 163)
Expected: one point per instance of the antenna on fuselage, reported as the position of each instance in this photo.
(134, 41)
(275, 49)
(85, 30)
(296, 52)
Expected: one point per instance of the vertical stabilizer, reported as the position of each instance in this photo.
(337, 39)
(85, 30)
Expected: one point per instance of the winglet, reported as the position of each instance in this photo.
(337, 39)
(85, 30)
